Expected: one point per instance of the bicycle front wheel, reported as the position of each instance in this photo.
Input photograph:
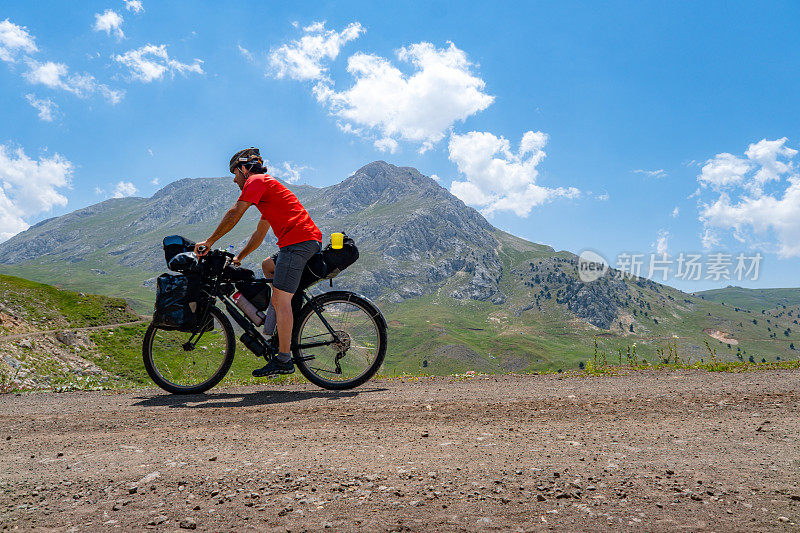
(354, 355)
(179, 368)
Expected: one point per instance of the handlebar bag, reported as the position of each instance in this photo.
(179, 302)
(183, 262)
(174, 245)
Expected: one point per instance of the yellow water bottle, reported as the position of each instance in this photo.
(337, 241)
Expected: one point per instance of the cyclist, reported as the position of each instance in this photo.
(298, 239)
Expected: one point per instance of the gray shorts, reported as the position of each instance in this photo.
(290, 262)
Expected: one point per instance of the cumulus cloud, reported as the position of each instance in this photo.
(110, 22)
(723, 171)
(123, 189)
(743, 206)
(134, 6)
(303, 58)
(29, 187)
(420, 107)
(498, 179)
(151, 62)
(14, 40)
(46, 107)
(57, 76)
(675, 212)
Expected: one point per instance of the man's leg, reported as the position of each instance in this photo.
(268, 267)
(282, 301)
(287, 269)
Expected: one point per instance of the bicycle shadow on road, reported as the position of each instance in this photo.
(245, 399)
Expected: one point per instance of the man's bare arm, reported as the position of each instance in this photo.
(254, 242)
(229, 221)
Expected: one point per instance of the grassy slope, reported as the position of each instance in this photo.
(48, 307)
(752, 299)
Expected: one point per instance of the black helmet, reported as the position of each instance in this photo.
(248, 156)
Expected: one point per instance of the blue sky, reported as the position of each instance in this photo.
(625, 111)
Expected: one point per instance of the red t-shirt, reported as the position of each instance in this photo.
(281, 208)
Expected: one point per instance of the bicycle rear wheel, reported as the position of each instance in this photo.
(358, 353)
(179, 370)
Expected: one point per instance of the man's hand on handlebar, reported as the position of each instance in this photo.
(202, 248)
(236, 261)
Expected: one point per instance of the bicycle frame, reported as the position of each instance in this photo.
(251, 338)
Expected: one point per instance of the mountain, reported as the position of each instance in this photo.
(459, 293)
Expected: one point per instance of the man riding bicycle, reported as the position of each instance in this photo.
(298, 240)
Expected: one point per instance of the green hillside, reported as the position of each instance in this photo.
(753, 299)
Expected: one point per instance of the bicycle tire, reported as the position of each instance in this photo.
(214, 379)
(330, 299)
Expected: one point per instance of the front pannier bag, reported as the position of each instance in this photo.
(174, 245)
(179, 302)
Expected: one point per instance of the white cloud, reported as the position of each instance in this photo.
(154, 181)
(123, 189)
(110, 22)
(741, 204)
(434, 177)
(765, 154)
(287, 171)
(387, 144)
(498, 179)
(150, 152)
(14, 40)
(724, 170)
(99, 191)
(420, 107)
(675, 212)
(662, 242)
(46, 107)
(134, 6)
(248, 55)
(151, 62)
(660, 173)
(56, 76)
(303, 59)
(29, 187)
(603, 197)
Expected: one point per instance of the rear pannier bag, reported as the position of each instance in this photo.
(179, 302)
(256, 291)
(329, 263)
(174, 245)
(338, 260)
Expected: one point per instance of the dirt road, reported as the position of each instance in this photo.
(658, 451)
